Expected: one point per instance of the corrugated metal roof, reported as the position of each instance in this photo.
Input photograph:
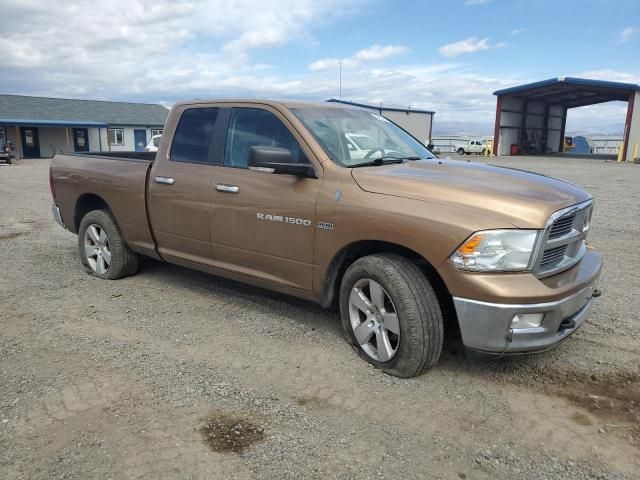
(71, 111)
(570, 81)
(382, 108)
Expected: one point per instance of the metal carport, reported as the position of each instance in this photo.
(537, 112)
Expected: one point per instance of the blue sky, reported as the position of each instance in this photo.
(448, 56)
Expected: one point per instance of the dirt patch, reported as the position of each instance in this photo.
(312, 402)
(231, 433)
(9, 236)
(614, 398)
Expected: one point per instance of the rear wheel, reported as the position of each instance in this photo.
(461, 151)
(103, 251)
(390, 314)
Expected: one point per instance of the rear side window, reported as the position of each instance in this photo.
(193, 135)
(252, 127)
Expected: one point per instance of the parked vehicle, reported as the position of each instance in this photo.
(405, 244)
(153, 144)
(8, 153)
(472, 146)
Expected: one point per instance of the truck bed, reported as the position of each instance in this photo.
(113, 180)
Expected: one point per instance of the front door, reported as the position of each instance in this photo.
(263, 224)
(30, 142)
(140, 139)
(180, 187)
(80, 140)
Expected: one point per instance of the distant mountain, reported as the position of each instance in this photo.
(479, 129)
(615, 129)
(472, 129)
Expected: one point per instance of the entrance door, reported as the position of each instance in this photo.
(140, 139)
(30, 142)
(80, 140)
(263, 224)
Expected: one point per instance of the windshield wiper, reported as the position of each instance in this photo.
(379, 161)
(388, 159)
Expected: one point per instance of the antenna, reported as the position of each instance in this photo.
(339, 80)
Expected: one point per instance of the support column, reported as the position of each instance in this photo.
(19, 143)
(564, 124)
(496, 128)
(631, 129)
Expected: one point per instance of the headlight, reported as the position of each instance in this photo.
(497, 251)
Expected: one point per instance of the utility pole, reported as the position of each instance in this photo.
(340, 80)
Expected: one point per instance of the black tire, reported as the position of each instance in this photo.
(124, 262)
(461, 151)
(417, 307)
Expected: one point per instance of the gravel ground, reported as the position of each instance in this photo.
(176, 374)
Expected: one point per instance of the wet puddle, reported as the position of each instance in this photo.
(231, 433)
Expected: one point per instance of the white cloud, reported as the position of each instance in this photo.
(468, 45)
(373, 53)
(628, 34)
(163, 51)
(518, 31)
(468, 3)
(501, 44)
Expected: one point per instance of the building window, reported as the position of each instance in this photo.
(156, 131)
(116, 136)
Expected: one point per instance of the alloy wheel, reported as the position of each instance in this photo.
(97, 249)
(374, 320)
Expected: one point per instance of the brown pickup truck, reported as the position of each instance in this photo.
(406, 244)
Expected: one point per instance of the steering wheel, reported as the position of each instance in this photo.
(371, 152)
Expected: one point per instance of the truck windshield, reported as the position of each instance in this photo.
(353, 137)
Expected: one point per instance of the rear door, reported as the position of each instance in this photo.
(180, 185)
(263, 224)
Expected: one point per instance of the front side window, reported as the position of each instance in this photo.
(192, 138)
(254, 127)
(116, 136)
(375, 136)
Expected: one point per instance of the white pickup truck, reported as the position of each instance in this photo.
(472, 146)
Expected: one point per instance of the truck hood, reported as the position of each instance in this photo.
(523, 199)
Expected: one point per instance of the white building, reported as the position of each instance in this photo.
(418, 123)
(42, 126)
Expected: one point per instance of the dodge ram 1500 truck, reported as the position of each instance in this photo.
(402, 242)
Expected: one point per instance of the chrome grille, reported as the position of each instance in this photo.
(562, 244)
(562, 226)
(552, 255)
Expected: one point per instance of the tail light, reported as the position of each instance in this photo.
(53, 189)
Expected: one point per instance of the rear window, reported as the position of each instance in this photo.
(193, 135)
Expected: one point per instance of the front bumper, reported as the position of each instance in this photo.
(486, 327)
(57, 217)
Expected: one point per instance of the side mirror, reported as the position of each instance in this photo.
(278, 161)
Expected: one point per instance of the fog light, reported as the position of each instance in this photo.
(527, 320)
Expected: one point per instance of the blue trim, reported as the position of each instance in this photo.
(630, 87)
(50, 123)
(379, 108)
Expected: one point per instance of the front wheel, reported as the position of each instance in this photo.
(391, 315)
(103, 251)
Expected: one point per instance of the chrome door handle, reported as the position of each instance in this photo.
(165, 180)
(221, 187)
